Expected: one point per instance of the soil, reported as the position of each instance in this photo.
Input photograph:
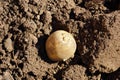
(26, 24)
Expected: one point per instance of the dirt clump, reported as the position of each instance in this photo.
(101, 44)
(78, 70)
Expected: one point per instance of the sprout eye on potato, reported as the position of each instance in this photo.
(60, 45)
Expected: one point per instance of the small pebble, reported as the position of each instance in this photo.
(8, 45)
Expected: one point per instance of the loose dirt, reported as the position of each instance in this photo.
(26, 24)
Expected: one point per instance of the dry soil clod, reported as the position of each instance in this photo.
(60, 45)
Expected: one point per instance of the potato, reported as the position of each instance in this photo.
(60, 45)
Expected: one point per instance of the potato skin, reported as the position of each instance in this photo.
(60, 45)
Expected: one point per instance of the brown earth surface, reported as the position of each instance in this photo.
(26, 24)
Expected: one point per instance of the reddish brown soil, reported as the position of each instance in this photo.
(26, 24)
